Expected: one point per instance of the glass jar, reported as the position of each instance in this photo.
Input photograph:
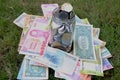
(63, 23)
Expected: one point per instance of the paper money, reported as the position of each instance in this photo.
(83, 42)
(42, 22)
(106, 65)
(22, 39)
(20, 21)
(96, 32)
(75, 76)
(36, 21)
(58, 60)
(28, 22)
(20, 74)
(99, 42)
(35, 42)
(48, 8)
(34, 72)
(30, 19)
(81, 21)
(93, 67)
(32, 62)
(105, 53)
(33, 21)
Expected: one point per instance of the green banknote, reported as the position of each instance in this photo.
(83, 42)
(105, 53)
(93, 67)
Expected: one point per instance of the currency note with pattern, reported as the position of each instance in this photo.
(105, 53)
(75, 76)
(34, 72)
(36, 41)
(81, 21)
(83, 42)
(20, 74)
(48, 8)
(106, 64)
(58, 60)
(93, 67)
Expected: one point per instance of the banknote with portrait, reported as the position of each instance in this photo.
(83, 42)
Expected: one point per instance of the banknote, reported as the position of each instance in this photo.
(96, 32)
(19, 77)
(105, 53)
(34, 72)
(81, 21)
(75, 76)
(35, 42)
(42, 22)
(20, 21)
(36, 21)
(29, 23)
(58, 60)
(30, 19)
(83, 42)
(32, 62)
(22, 38)
(96, 67)
(106, 64)
(99, 42)
(48, 9)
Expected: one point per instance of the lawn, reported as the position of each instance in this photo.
(104, 14)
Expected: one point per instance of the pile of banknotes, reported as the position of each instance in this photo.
(88, 57)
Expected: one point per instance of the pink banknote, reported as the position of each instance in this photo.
(106, 65)
(48, 8)
(36, 41)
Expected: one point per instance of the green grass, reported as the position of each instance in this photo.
(104, 14)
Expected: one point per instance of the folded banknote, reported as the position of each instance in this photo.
(96, 32)
(105, 53)
(20, 21)
(106, 64)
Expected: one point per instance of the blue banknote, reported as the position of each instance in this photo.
(58, 60)
(34, 72)
(106, 64)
